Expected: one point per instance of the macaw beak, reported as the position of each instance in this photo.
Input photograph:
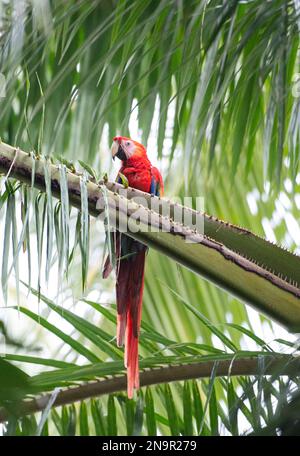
(114, 148)
(117, 149)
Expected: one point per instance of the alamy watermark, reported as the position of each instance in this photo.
(144, 214)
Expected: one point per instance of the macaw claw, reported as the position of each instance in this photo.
(124, 180)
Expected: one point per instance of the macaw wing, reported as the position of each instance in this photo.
(157, 186)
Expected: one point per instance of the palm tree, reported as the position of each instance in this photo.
(212, 88)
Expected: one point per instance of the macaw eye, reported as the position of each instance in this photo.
(127, 143)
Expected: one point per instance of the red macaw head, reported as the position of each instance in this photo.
(125, 148)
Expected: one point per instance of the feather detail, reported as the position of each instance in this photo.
(107, 268)
(121, 328)
(157, 182)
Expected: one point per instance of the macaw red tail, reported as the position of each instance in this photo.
(129, 291)
(130, 286)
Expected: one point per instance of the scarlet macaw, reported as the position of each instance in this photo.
(130, 254)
